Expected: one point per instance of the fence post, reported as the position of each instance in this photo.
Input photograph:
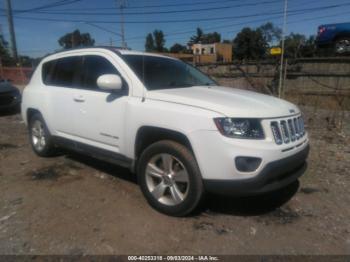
(284, 77)
(1, 69)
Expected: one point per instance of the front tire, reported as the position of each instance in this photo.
(40, 138)
(170, 179)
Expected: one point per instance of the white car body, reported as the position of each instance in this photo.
(99, 120)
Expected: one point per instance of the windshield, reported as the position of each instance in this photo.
(165, 73)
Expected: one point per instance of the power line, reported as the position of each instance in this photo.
(247, 22)
(157, 6)
(162, 12)
(55, 4)
(103, 29)
(189, 20)
(244, 23)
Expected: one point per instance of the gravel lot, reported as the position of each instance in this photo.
(72, 204)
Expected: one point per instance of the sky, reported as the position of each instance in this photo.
(38, 29)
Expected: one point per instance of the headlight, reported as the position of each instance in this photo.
(240, 127)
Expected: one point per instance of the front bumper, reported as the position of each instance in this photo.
(274, 175)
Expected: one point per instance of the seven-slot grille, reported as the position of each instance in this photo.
(288, 130)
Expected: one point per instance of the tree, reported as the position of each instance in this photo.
(271, 33)
(250, 44)
(159, 40)
(149, 45)
(293, 44)
(298, 45)
(5, 57)
(211, 38)
(155, 42)
(309, 49)
(76, 39)
(178, 48)
(198, 37)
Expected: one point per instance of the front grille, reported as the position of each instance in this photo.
(288, 130)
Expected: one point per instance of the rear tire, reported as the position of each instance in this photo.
(40, 137)
(170, 179)
(342, 46)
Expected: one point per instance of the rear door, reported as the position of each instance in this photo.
(62, 78)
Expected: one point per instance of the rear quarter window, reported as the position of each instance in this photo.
(46, 72)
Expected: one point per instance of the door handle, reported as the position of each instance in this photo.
(79, 99)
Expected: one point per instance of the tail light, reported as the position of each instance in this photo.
(321, 30)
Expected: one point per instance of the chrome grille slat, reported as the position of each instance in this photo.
(285, 132)
(276, 132)
(291, 129)
(296, 128)
(288, 130)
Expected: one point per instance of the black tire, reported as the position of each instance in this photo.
(48, 149)
(195, 192)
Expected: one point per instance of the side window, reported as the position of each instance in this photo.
(47, 71)
(93, 67)
(65, 71)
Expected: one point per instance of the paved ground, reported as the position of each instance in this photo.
(77, 205)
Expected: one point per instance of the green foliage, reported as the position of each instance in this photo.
(178, 48)
(159, 40)
(250, 44)
(298, 45)
(76, 39)
(271, 33)
(6, 59)
(209, 38)
(149, 45)
(155, 42)
(197, 37)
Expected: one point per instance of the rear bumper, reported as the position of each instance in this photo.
(274, 175)
(10, 101)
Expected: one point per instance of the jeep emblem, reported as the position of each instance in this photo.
(291, 111)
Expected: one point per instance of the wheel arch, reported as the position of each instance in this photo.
(147, 135)
(31, 112)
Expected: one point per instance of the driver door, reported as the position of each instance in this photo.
(100, 121)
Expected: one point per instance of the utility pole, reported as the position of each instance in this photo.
(11, 29)
(280, 83)
(121, 4)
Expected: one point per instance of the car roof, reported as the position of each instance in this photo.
(118, 50)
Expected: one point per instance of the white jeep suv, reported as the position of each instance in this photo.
(175, 127)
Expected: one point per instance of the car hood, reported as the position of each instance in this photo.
(231, 102)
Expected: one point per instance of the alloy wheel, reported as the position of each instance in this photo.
(167, 179)
(38, 135)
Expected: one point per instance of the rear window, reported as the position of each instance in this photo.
(61, 72)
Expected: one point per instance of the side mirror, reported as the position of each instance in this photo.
(110, 82)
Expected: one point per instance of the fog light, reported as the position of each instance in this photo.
(247, 164)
